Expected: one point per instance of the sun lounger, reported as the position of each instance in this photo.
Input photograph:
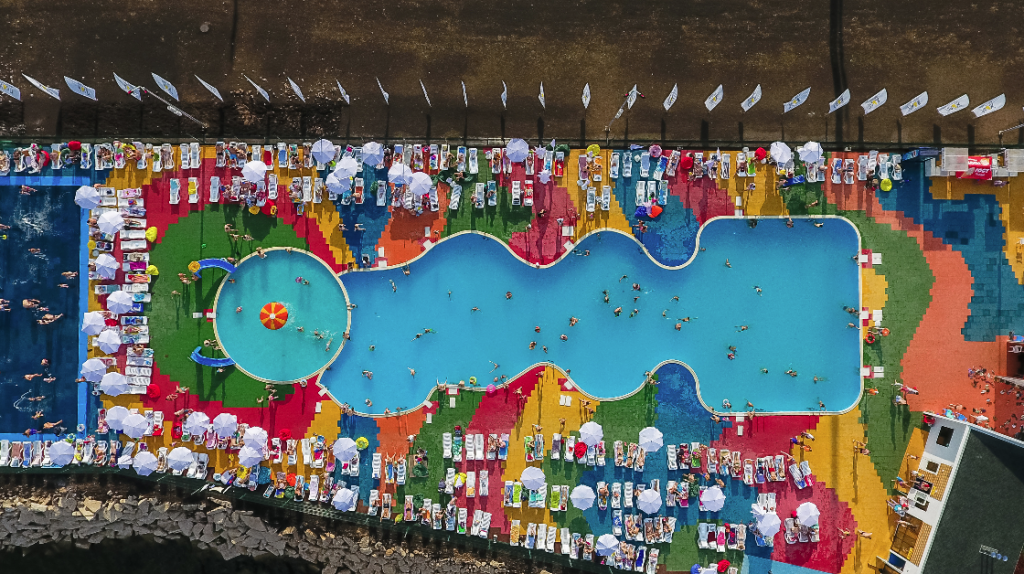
(897, 168)
(805, 470)
(174, 197)
(478, 446)
(627, 495)
(463, 515)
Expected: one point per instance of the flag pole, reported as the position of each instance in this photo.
(174, 109)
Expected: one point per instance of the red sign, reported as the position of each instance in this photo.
(978, 167)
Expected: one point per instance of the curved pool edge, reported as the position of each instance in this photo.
(693, 256)
(348, 317)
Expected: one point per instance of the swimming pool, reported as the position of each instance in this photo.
(284, 354)
(806, 275)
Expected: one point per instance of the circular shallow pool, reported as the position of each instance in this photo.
(293, 315)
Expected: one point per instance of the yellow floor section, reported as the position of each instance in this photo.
(614, 218)
(542, 409)
(874, 286)
(764, 200)
(327, 219)
(852, 476)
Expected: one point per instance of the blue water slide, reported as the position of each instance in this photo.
(208, 361)
(217, 263)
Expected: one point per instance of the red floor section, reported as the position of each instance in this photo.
(543, 242)
(702, 195)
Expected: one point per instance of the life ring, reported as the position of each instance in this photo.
(869, 338)
(472, 381)
(885, 332)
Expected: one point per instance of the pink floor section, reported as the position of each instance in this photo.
(703, 196)
(543, 242)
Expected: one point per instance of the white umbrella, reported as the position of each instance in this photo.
(544, 176)
(115, 417)
(582, 497)
(120, 302)
(87, 197)
(591, 433)
(135, 426)
(757, 510)
(323, 151)
(109, 341)
(114, 384)
(606, 545)
(110, 222)
(713, 499)
(769, 525)
(373, 154)
(106, 266)
(145, 463)
(649, 501)
(197, 423)
(533, 478)
(93, 370)
(256, 438)
(93, 322)
(344, 500)
(781, 153)
(810, 152)
(399, 174)
(179, 458)
(345, 448)
(254, 171)
(225, 424)
(807, 513)
(61, 453)
(651, 439)
(249, 456)
(517, 150)
(336, 185)
(347, 167)
(420, 184)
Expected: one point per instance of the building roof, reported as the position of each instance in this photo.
(983, 507)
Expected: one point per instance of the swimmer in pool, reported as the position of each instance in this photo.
(412, 371)
(676, 298)
(533, 345)
(743, 328)
(623, 277)
(373, 347)
(617, 311)
(606, 296)
(764, 370)
(564, 338)
(394, 288)
(679, 326)
(663, 313)
(545, 349)
(573, 321)
(508, 294)
(758, 289)
(537, 329)
(475, 309)
(727, 264)
(685, 319)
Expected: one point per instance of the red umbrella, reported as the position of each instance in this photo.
(760, 154)
(285, 434)
(75, 145)
(686, 163)
(723, 565)
(580, 450)
(45, 155)
(153, 391)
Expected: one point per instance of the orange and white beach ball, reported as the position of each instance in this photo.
(274, 315)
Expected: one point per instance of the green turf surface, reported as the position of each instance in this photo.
(500, 221)
(909, 285)
(430, 439)
(175, 334)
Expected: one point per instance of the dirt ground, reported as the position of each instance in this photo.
(945, 47)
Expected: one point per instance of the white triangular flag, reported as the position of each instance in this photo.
(166, 86)
(631, 99)
(955, 106)
(387, 97)
(80, 88)
(875, 101)
(425, 94)
(797, 101)
(586, 96)
(54, 92)
(131, 90)
(915, 104)
(504, 95)
(297, 90)
(753, 99)
(465, 98)
(541, 96)
(715, 98)
(842, 100)
(213, 90)
(261, 91)
(10, 90)
(993, 105)
(344, 94)
(670, 100)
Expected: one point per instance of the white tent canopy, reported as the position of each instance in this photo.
(106, 266)
(114, 384)
(649, 501)
(591, 433)
(225, 424)
(197, 423)
(93, 322)
(255, 437)
(87, 197)
(135, 426)
(145, 463)
(713, 499)
(420, 184)
(254, 171)
(249, 456)
(533, 478)
(373, 154)
(323, 151)
(606, 545)
(115, 417)
(582, 497)
(651, 439)
(93, 370)
(110, 222)
(400, 174)
(179, 458)
(811, 152)
(336, 185)
(120, 302)
(781, 153)
(109, 341)
(807, 513)
(769, 525)
(347, 167)
(61, 453)
(345, 448)
(517, 150)
(344, 500)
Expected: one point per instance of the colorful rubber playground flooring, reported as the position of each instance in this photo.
(948, 286)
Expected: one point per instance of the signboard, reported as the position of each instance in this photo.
(978, 167)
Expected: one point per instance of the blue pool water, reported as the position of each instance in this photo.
(798, 322)
(285, 354)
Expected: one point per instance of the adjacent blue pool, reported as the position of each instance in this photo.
(285, 354)
(806, 275)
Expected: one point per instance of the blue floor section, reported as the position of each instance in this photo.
(973, 227)
(373, 218)
(355, 427)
